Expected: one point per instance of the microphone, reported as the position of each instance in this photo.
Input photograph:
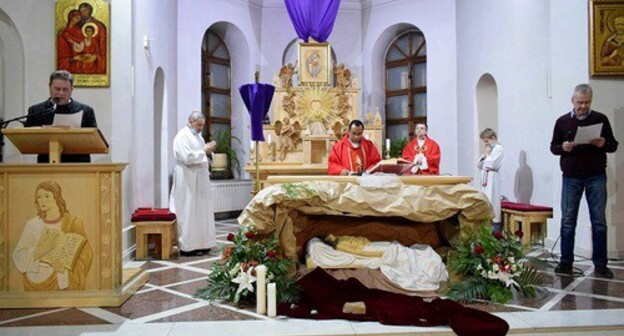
(53, 107)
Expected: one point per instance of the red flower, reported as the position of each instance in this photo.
(250, 234)
(230, 236)
(519, 234)
(271, 254)
(498, 235)
(498, 260)
(478, 249)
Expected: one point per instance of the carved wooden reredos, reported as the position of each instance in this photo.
(307, 119)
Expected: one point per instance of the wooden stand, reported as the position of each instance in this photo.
(92, 195)
(55, 141)
(532, 223)
(166, 230)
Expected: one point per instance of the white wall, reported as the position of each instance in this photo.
(571, 20)
(436, 19)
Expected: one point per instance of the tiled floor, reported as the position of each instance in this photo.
(166, 306)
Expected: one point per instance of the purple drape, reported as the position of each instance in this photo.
(257, 98)
(313, 18)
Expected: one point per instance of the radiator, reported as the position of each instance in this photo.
(232, 195)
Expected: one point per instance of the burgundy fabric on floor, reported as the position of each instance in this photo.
(323, 298)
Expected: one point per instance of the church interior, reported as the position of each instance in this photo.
(457, 66)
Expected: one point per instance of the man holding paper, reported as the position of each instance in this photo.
(60, 109)
(583, 164)
(191, 192)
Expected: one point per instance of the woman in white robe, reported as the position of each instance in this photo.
(191, 194)
(490, 164)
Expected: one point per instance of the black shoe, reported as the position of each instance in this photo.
(564, 269)
(194, 253)
(603, 272)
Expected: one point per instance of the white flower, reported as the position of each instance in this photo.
(244, 280)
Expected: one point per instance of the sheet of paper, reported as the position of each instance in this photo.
(584, 134)
(71, 120)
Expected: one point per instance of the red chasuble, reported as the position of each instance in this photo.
(345, 156)
(430, 149)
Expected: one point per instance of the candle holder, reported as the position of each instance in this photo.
(387, 157)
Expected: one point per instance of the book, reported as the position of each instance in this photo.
(56, 247)
(392, 166)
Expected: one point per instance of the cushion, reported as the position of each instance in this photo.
(152, 214)
(523, 206)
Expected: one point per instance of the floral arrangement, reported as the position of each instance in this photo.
(491, 264)
(234, 276)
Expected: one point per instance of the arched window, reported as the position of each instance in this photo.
(216, 100)
(406, 84)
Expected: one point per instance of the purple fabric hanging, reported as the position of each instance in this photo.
(313, 18)
(257, 98)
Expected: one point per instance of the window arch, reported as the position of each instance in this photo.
(216, 75)
(406, 84)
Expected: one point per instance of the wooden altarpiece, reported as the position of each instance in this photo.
(306, 121)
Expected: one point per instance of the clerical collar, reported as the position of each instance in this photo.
(573, 115)
(354, 145)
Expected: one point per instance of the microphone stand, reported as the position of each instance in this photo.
(5, 123)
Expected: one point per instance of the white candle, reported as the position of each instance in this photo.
(272, 300)
(269, 139)
(261, 289)
(388, 143)
(251, 144)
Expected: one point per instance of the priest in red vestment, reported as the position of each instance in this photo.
(424, 152)
(353, 154)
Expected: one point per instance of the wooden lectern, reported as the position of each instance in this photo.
(84, 266)
(57, 140)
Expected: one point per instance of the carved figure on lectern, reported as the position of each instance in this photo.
(53, 252)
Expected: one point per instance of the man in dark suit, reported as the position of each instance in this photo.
(60, 103)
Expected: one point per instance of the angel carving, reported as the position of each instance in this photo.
(288, 136)
(343, 76)
(338, 130)
(288, 103)
(285, 74)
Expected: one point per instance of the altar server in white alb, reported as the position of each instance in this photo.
(191, 198)
(490, 164)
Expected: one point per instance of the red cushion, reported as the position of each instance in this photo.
(152, 214)
(523, 206)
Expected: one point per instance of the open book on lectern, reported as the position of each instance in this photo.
(397, 166)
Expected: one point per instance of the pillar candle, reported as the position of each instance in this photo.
(251, 144)
(272, 300)
(261, 289)
(269, 139)
(387, 143)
